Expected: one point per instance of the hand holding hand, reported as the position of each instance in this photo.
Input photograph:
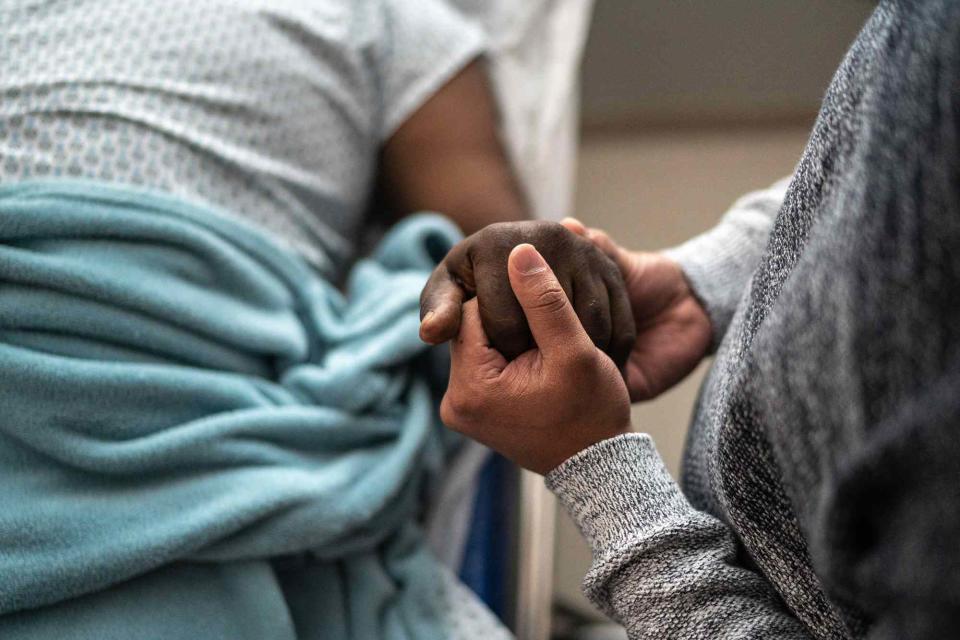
(550, 402)
(673, 331)
(477, 266)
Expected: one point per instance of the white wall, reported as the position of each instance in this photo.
(672, 60)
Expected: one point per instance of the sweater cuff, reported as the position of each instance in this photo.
(718, 264)
(617, 489)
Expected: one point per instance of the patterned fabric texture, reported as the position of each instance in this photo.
(821, 485)
(274, 110)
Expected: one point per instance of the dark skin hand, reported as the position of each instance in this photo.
(477, 267)
(552, 401)
(448, 157)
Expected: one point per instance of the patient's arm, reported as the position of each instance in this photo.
(448, 157)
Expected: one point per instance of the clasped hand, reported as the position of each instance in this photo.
(545, 360)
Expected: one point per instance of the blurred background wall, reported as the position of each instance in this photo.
(687, 104)
(696, 62)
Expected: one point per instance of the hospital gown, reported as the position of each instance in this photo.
(271, 109)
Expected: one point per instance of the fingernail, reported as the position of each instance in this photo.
(427, 319)
(528, 260)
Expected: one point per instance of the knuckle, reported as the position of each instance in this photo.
(497, 228)
(597, 327)
(597, 315)
(448, 413)
(549, 298)
(623, 342)
(604, 263)
(501, 235)
(554, 230)
(549, 236)
(604, 244)
(458, 410)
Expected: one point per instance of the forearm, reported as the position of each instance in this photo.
(719, 263)
(662, 568)
(448, 157)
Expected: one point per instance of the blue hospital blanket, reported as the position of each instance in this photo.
(199, 438)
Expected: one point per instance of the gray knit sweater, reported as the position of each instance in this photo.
(821, 485)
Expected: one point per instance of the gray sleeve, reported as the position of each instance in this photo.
(719, 263)
(661, 568)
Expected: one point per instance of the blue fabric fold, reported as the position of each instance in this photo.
(199, 437)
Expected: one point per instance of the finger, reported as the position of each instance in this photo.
(621, 257)
(623, 332)
(575, 226)
(471, 335)
(473, 366)
(592, 304)
(442, 297)
(602, 240)
(471, 351)
(551, 317)
(440, 303)
(502, 317)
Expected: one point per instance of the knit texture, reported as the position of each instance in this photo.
(719, 262)
(821, 484)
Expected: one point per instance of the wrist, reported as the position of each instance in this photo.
(689, 294)
(597, 438)
(617, 490)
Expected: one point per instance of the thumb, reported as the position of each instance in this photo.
(440, 303)
(553, 322)
(442, 296)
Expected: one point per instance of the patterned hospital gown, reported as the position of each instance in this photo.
(271, 109)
